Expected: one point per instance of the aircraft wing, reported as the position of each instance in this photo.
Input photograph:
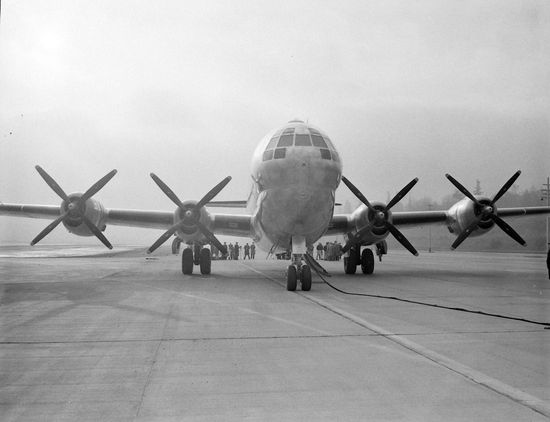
(345, 223)
(418, 218)
(363, 228)
(30, 211)
(223, 224)
(348, 223)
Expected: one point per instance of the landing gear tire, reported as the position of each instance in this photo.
(205, 261)
(176, 243)
(291, 278)
(305, 278)
(350, 262)
(187, 261)
(367, 261)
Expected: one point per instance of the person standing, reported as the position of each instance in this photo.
(548, 262)
(237, 247)
(246, 251)
(319, 250)
(252, 250)
(231, 251)
(224, 256)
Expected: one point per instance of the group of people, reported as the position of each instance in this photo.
(330, 251)
(234, 251)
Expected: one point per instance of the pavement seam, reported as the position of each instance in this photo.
(534, 403)
(531, 402)
(155, 357)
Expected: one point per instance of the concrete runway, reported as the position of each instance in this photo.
(128, 337)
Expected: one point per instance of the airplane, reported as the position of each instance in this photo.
(295, 173)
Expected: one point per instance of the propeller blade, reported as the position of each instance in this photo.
(51, 183)
(48, 229)
(164, 237)
(211, 237)
(96, 232)
(358, 194)
(167, 191)
(401, 193)
(462, 189)
(507, 229)
(401, 239)
(506, 186)
(462, 236)
(213, 192)
(97, 186)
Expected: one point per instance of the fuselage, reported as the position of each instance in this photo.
(295, 173)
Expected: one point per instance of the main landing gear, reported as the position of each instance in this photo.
(196, 256)
(355, 258)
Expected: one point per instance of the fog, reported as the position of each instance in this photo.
(187, 89)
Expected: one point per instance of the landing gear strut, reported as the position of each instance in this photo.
(196, 256)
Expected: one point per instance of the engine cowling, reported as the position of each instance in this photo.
(187, 215)
(465, 213)
(91, 208)
(370, 224)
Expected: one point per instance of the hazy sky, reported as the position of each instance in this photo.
(187, 89)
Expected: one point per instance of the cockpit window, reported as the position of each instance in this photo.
(286, 140)
(299, 136)
(329, 143)
(273, 142)
(318, 141)
(302, 140)
(325, 154)
(279, 153)
(268, 155)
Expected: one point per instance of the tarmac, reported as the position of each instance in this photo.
(125, 336)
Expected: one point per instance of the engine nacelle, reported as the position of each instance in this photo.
(371, 226)
(189, 231)
(464, 213)
(91, 208)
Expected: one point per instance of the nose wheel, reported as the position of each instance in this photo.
(300, 272)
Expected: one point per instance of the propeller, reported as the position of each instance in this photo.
(74, 206)
(486, 211)
(190, 212)
(380, 216)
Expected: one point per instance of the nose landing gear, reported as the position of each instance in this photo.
(298, 271)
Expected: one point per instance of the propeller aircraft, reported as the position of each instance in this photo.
(295, 172)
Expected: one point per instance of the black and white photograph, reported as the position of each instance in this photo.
(258, 210)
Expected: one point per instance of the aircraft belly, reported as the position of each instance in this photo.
(295, 210)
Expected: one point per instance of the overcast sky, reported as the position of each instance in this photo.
(187, 89)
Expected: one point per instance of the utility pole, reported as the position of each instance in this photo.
(430, 231)
(546, 193)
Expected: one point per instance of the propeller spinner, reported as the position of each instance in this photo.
(381, 216)
(190, 213)
(485, 211)
(74, 206)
